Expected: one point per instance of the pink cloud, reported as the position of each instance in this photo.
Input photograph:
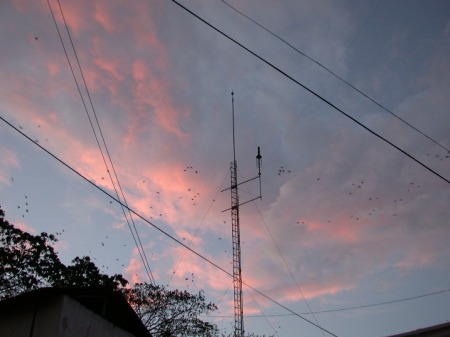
(313, 290)
(152, 96)
(61, 246)
(76, 15)
(164, 188)
(135, 269)
(145, 30)
(37, 124)
(120, 226)
(357, 239)
(189, 238)
(110, 65)
(111, 68)
(24, 227)
(53, 69)
(90, 164)
(103, 70)
(21, 5)
(104, 15)
(203, 273)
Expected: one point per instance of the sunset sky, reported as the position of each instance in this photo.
(351, 233)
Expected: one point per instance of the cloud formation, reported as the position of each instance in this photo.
(340, 206)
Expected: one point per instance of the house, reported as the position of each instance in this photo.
(441, 330)
(69, 312)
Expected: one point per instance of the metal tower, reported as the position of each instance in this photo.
(237, 270)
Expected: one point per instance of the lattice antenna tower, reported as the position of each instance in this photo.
(236, 235)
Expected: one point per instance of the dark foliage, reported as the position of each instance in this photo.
(29, 261)
(171, 312)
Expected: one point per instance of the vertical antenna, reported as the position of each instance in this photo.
(258, 164)
(234, 141)
(236, 235)
(236, 239)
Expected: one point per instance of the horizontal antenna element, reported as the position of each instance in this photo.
(235, 231)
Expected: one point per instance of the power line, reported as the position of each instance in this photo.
(196, 230)
(140, 246)
(160, 229)
(386, 302)
(352, 308)
(306, 107)
(135, 235)
(336, 75)
(286, 264)
(311, 91)
(266, 317)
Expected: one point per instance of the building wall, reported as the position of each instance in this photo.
(14, 323)
(56, 317)
(18, 321)
(76, 320)
(440, 330)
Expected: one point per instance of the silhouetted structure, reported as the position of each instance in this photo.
(61, 312)
(441, 330)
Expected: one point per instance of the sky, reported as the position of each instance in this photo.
(351, 233)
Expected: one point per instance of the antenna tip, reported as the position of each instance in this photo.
(232, 93)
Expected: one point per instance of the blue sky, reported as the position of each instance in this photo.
(345, 221)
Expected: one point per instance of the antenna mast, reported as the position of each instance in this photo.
(235, 229)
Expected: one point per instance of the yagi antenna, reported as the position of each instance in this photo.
(237, 270)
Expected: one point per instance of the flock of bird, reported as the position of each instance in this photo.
(25, 207)
(193, 197)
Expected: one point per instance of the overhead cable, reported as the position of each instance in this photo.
(336, 75)
(311, 91)
(349, 308)
(286, 265)
(196, 231)
(116, 199)
(134, 234)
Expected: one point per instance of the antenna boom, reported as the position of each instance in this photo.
(235, 231)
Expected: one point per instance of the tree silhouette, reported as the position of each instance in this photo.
(171, 312)
(29, 262)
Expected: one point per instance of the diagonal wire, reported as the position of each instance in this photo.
(143, 258)
(376, 304)
(336, 75)
(285, 262)
(138, 245)
(196, 230)
(146, 263)
(353, 39)
(349, 308)
(173, 238)
(266, 317)
(271, 65)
